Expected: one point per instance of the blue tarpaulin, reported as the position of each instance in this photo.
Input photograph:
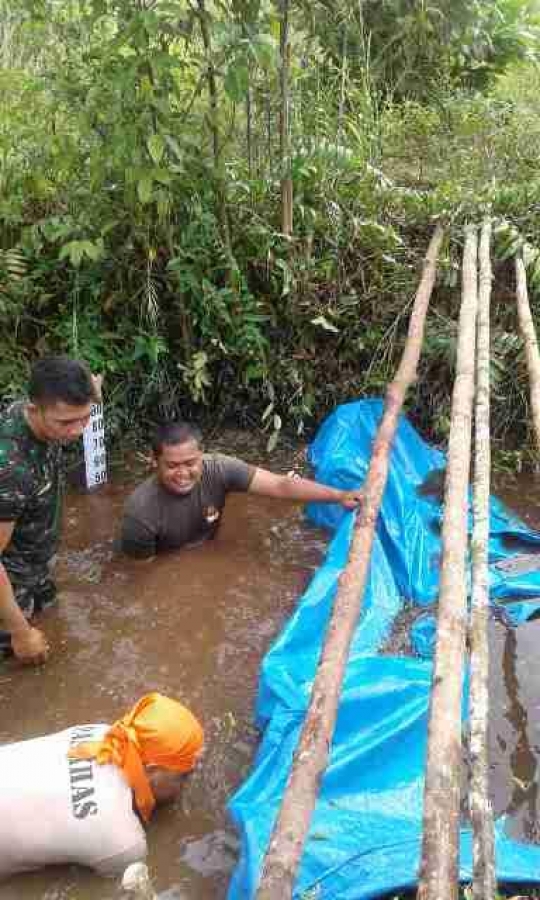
(365, 835)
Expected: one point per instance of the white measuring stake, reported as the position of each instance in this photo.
(95, 454)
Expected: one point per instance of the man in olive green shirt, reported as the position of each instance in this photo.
(182, 503)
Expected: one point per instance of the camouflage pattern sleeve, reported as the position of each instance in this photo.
(15, 482)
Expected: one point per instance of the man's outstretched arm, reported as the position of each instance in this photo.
(29, 644)
(304, 490)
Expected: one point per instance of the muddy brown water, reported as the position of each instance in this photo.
(514, 728)
(196, 624)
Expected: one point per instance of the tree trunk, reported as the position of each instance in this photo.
(249, 133)
(341, 109)
(284, 124)
(212, 118)
(310, 759)
(268, 107)
(528, 334)
(440, 845)
(484, 883)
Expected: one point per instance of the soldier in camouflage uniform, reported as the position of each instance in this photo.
(61, 392)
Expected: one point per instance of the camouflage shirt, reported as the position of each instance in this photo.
(30, 496)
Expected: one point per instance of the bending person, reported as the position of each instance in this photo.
(83, 795)
(182, 503)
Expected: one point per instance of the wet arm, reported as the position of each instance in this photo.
(28, 643)
(268, 484)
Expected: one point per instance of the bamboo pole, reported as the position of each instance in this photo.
(311, 756)
(484, 882)
(528, 333)
(440, 844)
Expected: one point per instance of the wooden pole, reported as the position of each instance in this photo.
(528, 334)
(440, 845)
(484, 882)
(310, 760)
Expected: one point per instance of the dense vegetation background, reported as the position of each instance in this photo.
(223, 204)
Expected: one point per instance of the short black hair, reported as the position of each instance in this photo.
(55, 379)
(172, 433)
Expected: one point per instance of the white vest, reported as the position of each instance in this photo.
(59, 810)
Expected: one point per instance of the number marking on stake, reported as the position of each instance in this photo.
(95, 454)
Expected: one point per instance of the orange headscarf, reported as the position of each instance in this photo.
(158, 731)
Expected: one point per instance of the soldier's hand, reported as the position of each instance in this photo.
(30, 646)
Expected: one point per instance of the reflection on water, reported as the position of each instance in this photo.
(514, 726)
(194, 624)
(514, 723)
(211, 854)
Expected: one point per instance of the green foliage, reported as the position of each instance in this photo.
(408, 48)
(140, 189)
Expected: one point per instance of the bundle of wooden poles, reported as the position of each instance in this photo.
(439, 873)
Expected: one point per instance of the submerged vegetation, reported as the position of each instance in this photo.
(223, 204)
